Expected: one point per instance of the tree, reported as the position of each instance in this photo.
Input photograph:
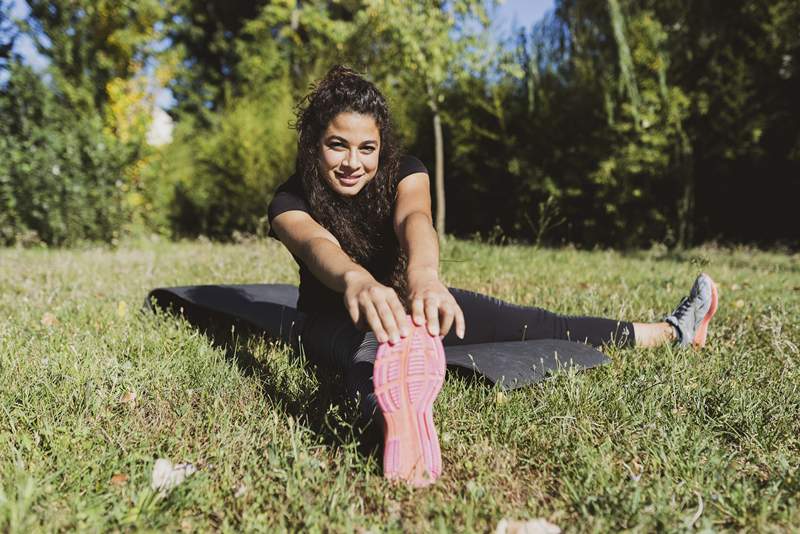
(205, 36)
(420, 45)
(91, 43)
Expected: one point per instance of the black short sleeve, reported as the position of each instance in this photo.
(410, 165)
(289, 196)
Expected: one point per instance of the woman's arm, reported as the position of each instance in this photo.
(368, 302)
(430, 300)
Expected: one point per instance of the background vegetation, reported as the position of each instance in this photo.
(616, 123)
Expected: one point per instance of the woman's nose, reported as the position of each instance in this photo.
(352, 161)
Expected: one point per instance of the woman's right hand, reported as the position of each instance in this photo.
(374, 305)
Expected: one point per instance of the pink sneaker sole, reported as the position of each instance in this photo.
(407, 378)
(702, 331)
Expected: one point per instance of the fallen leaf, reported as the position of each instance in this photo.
(393, 509)
(500, 398)
(129, 398)
(48, 319)
(532, 526)
(735, 287)
(739, 303)
(122, 308)
(167, 476)
(241, 491)
(120, 479)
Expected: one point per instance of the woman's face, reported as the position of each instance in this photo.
(349, 152)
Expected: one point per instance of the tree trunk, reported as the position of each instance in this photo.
(626, 70)
(439, 143)
(686, 203)
(684, 167)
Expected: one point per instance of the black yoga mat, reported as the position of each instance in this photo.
(270, 309)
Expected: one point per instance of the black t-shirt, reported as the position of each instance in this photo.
(314, 295)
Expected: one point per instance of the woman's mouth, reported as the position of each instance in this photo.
(348, 179)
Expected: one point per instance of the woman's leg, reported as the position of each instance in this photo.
(334, 343)
(653, 334)
(492, 320)
(489, 319)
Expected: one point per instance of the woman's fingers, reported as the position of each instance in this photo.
(432, 315)
(388, 321)
(374, 321)
(400, 315)
(383, 312)
(448, 314)
(353, 310)
(461, 326)
(418, 310)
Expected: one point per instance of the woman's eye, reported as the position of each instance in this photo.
(368, 149)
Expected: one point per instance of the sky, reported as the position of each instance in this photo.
(24, 45)
(522, 13)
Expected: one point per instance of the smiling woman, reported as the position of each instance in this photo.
(350, 152)
(357, 218)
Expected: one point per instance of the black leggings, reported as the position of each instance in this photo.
(335, 343)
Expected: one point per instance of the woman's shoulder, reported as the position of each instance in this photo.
(289, 196)
(410, 165)
(292, 185)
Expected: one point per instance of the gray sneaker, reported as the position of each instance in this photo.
(690, 319)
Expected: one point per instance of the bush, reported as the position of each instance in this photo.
(60, 171)
(219, 180)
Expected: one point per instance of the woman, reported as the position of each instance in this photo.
(356, 216)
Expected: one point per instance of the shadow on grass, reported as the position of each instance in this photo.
(320, 404)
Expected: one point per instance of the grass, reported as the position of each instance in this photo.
(661, 439)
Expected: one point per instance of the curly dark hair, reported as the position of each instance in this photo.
(362, 223)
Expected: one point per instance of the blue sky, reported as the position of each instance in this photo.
(23, 45)
(523, 13)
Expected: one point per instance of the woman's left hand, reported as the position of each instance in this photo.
(432, 303)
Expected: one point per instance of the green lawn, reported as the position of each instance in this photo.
(92, 392)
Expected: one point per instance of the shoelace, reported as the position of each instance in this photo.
(680, 311)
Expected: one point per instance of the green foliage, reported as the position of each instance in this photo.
(60, 172)
(639, 182)
(624, 121)
(205, 35)
(92, 42)
(644, 122)
(224, 175)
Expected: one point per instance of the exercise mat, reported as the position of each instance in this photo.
(269, 309)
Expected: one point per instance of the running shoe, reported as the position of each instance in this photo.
(408, 376)
(690, 319)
